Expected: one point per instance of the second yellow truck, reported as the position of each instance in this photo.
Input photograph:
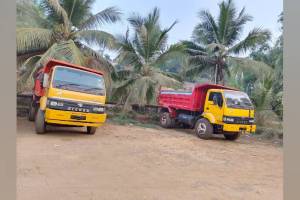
(69, 95)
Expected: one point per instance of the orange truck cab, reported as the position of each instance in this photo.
(69, 95)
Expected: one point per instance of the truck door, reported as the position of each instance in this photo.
(214, 105)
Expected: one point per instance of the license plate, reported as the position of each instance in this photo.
(77, 117)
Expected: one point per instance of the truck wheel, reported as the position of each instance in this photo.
(32, 112)
(203, 129)
(232, 136)
(91, 130)
(40, 124)
(166, 121)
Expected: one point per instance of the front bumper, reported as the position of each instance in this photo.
(239, 128)
(64, 118)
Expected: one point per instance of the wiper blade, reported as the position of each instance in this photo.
(94, 88)
(69, 84)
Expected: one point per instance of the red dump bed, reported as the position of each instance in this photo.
(187, 100)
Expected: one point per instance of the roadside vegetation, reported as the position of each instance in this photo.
(216, 53)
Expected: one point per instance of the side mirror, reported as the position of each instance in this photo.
(45, 80)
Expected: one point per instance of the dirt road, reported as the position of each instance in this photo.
(135, 163)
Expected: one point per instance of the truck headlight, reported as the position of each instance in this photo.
(251, 121)
(228, 119)
(98, 109)
(55, 103)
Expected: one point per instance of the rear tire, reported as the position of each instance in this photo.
(166, 121)
(203, 129)
(40, 124)
(232, 136)
(91, 130)
(32, 112)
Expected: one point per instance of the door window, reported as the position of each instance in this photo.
(217, 96)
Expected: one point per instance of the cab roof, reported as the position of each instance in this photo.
(207, 86)
(52, 63)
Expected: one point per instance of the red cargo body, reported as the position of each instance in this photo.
(187, 100)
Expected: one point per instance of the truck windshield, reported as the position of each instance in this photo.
(237, 99)
(79, 81)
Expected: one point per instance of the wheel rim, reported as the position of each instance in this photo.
(163, 120)
(201, 129)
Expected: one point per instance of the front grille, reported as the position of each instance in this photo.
(75, 106)
(241, 120)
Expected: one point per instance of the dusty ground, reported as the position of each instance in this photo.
(129, 162)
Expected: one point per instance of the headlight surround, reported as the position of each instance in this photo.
(228, 119)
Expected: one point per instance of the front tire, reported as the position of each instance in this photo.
(32, 112)
(166, 121)
(232, 136)
(203, 129)
(91, 130)
(40, 124)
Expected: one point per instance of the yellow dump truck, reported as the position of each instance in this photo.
(69, 95)
(209, 109)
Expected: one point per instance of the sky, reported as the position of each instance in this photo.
(265, 14)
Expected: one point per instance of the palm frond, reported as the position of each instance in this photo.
(193, 48)
(162, 38)
(25, 81)
(128, 55)
(104, 64)
(235, 30)
(33, 39)
(225, 20)
(108, 15)
(30, 15)
(152, 20)
(173, 51)
(206, 31)
(100, 38)
(255, 37)
(61, 12)
(136, 21)
(66, 51)
(77, 10)
(122, 75)
(259, 69)
(121, 90)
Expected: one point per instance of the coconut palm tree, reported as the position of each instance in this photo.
(141, 55)
(216, 40)
(61, 29)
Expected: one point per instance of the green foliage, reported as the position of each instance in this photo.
(61, 29)
(214, 39)
(141, 57)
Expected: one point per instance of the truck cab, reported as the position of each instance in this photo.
(230, 112)
(69, 95)
(209, 109)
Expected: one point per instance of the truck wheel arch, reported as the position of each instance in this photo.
(170, 110)
(210, 117)
(43, 102)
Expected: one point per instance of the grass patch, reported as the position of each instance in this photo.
(132, 118)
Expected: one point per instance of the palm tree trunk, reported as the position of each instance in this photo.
(222, 80)
(216, 74)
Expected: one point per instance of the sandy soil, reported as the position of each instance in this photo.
(129, 162)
